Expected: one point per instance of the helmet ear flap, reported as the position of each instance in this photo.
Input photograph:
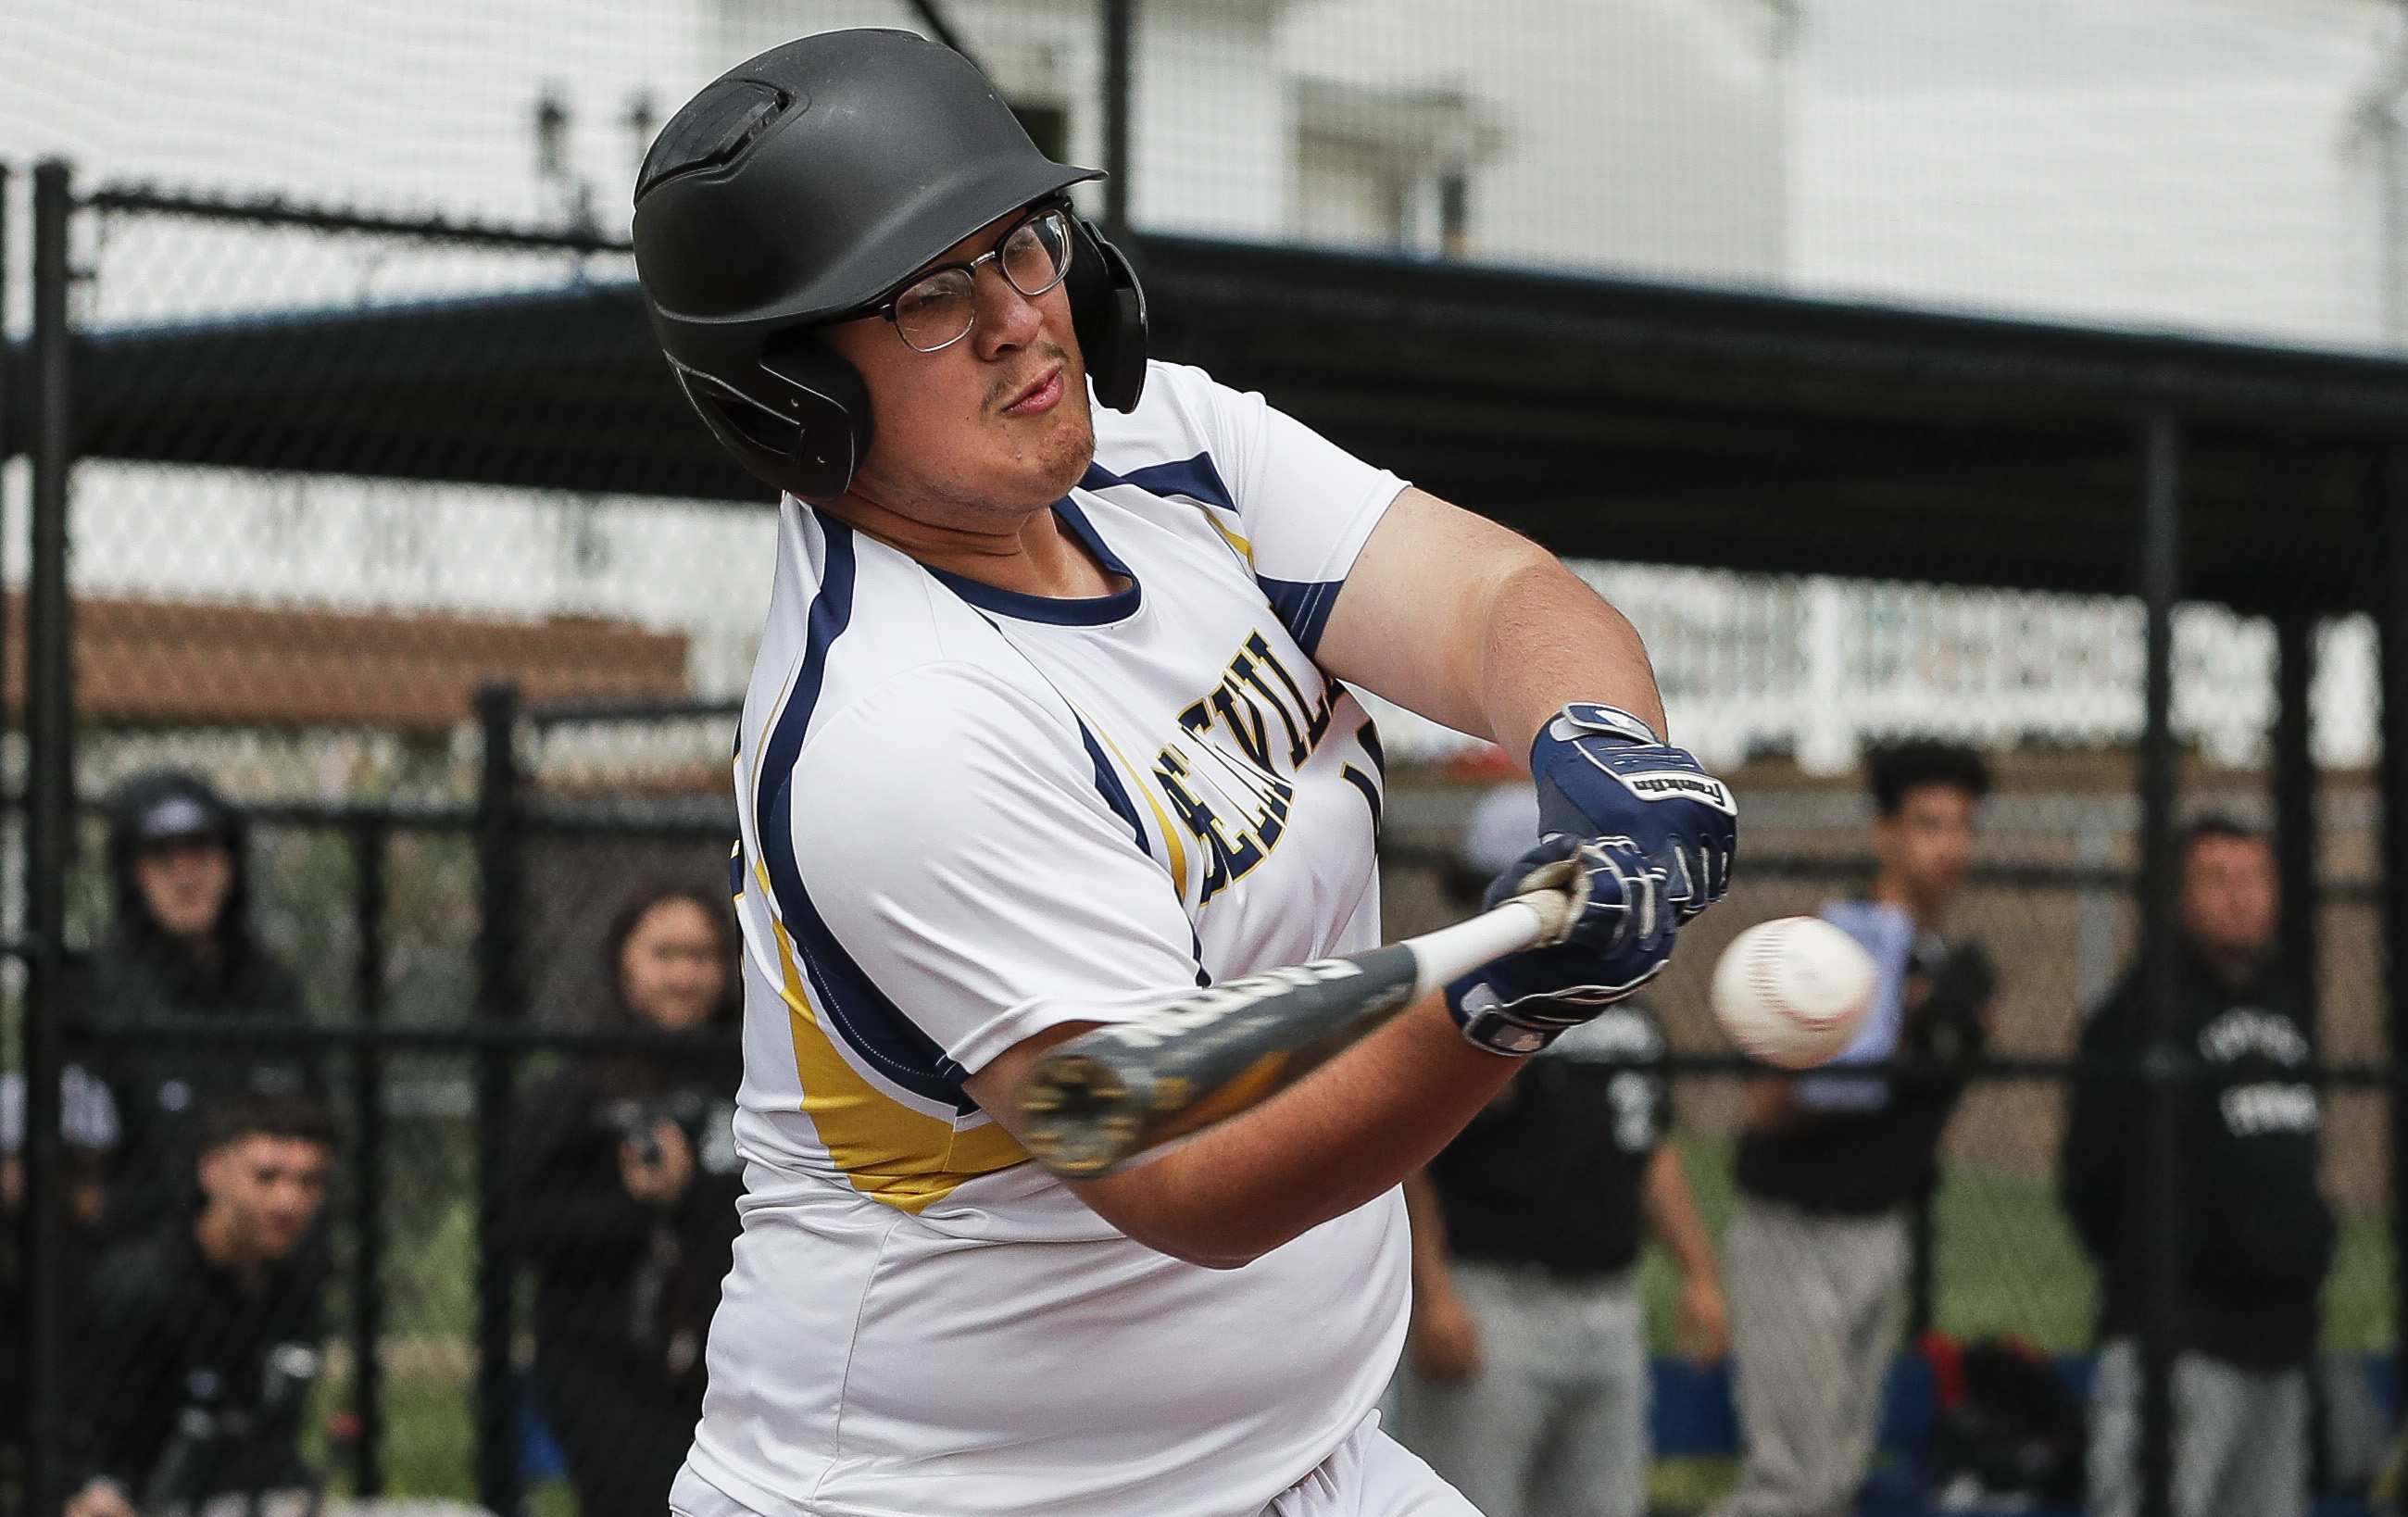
(1107, 312)
(806, 427)
(830, 402)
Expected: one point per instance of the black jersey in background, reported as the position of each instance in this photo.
(1864, 1163)
(1550, 1172)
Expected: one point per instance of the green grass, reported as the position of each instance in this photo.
(2007, 1264)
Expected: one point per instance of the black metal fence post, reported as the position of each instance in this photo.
(2160, 570)
(501, 875)
(1120, 39)
(49, 824)
(2294, 780)
(369, 849)
(2392, 538)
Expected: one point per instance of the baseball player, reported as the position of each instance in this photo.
(1046, 730)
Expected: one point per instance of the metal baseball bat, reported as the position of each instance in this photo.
(1106, 1095)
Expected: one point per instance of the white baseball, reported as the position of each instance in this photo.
(1791, 990)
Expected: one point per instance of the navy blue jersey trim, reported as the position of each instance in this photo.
(1302, 608)
(1091, 611)
(1109, 783)
(1369, 736)
(1196, 478)
(854, 1007)
(1363, 782)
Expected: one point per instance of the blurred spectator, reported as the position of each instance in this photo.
(2256, 1236)
(625, 1186)
(1527, 1385)
(88, 1127)
(205, 1335)
(183, 946)
(1817, 1251)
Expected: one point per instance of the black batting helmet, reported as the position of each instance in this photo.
(799, 190)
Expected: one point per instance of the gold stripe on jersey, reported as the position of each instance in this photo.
(1238, 544)
(1163, 829)
(890, 1152)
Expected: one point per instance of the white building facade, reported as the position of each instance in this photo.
(2231, 166)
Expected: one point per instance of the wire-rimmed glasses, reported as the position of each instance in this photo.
(939, 308)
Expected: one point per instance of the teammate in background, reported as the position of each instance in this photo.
(2257, 1234)
(205, 1336)
(1526, 1375)
(1046, 730)
(183, 946)
(1815, 1257)
(624, 1183)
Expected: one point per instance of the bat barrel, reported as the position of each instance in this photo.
(1090, 1103)
(1081, 1116)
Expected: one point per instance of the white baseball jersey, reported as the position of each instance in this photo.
(969, 815)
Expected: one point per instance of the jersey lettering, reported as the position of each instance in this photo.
(1246, 763)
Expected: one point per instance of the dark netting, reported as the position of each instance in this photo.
(408, 596)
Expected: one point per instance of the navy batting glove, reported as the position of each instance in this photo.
(1604, 773)
(1619, 942)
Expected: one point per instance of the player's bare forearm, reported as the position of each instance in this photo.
(1450, 615)
(1335, 1139)
(1672, 1214)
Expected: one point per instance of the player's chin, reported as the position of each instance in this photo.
(1061, 446)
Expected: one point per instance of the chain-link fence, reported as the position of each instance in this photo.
(333, 473)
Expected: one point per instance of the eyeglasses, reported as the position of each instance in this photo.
(939, 308)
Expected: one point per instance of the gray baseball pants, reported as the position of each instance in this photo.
(1555, 1423)
(2240, 1438)
(1814, 1304)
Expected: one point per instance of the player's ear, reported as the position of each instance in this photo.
(211, 1171)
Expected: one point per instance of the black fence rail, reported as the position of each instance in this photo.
(2151, 449)
(500, 1037)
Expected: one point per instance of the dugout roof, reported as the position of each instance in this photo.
(1606, 418)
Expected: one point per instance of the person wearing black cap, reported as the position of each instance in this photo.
(1052, 722)
(183, 947)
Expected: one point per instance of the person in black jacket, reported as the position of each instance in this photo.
(183, 947)
(627, 1181)
(2255, 1234)
(205, 1336)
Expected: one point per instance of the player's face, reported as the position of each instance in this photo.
(980, 434)
(267, 1188)
(671, 968)
(1929, 845)
(2229, 898)
(185, 885)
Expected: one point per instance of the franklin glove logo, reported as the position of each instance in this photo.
(1663, 784)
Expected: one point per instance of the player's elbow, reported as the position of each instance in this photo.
(1208, 1236)
(1207, 1247)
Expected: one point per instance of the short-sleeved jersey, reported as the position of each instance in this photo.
(969, 815)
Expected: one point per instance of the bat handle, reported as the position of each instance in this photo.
(1524, 921)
